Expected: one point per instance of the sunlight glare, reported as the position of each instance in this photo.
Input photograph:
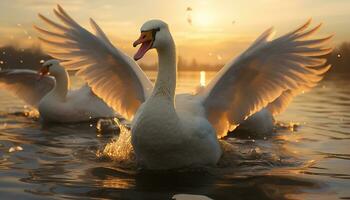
(202, 78)
(202, 18)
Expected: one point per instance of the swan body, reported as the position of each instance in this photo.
(172, 131)
(261, 123)
(181, 136)
(50, 94)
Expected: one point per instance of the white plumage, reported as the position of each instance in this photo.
(168, 130)
(51, 95)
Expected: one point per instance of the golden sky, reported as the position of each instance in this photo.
(220, 29)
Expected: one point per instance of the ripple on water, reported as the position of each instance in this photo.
(308, 160)
(239, 155)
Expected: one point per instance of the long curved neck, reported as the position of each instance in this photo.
(166, 78)
(62, 84)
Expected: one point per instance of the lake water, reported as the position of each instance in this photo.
(308, 157)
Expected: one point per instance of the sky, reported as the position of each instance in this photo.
(219, 29)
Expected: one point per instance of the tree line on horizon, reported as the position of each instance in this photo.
(12, 57)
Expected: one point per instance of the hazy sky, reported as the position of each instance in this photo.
(220, 28)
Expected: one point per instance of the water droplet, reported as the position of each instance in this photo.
(12, 149)
(15, 148)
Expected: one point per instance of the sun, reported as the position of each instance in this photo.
(203, 18)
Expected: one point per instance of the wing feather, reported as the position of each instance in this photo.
(112, 75)
(26, 84)
(268, 74)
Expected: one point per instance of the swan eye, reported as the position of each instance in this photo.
(49, 65)
(154, 31)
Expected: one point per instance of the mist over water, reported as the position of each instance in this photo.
(308, 157)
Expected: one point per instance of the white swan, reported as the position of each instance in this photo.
(51, 96)
(171, 131)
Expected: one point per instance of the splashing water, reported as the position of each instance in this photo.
(120, 149)
(239, 154)
(107, 126)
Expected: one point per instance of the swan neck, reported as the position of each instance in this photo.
(167, 71)
(62, 84)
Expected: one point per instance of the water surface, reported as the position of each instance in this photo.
(307, 158)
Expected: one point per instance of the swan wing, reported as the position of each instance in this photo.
(261, 74)
(112, 75)
(26, 84)
(84, 100)
(281, 103)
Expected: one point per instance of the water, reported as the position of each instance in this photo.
(307, 158)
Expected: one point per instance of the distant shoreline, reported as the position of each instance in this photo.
(213, 69)
(12, 57)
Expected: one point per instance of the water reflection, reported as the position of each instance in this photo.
(305, 161)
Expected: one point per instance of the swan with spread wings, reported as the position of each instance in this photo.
(172, 131)
(48, 91)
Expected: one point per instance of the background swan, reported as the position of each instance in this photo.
(51, 95)
(171, 131)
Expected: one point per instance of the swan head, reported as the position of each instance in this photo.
(154, 34)
(51, 67)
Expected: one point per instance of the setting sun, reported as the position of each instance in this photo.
(203, 18)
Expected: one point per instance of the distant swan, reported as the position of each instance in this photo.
(173, 131)
(51, 96)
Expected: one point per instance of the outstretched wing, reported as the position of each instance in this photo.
(282, 102)
(265, 71)
(111, 74)
(26, 84)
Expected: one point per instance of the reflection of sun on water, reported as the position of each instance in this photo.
(202, 78)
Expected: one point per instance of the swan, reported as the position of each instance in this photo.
(173, 131)
(48, 92)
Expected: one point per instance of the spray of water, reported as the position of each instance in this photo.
(120, 149)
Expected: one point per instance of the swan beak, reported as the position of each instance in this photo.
(146, 41)
(43, 72)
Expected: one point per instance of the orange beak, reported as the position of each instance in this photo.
(43, 72)
(146, 41)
